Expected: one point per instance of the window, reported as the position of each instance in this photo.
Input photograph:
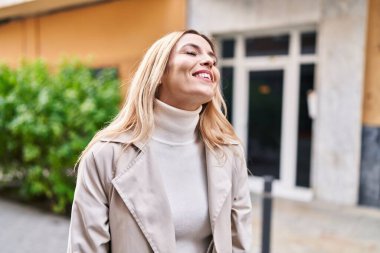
(267, 46)
(227, 88)
(308, 42)
(228, 48)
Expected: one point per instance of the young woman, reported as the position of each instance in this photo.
(167, 175)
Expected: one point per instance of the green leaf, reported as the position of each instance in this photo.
(47, 119)
(31, 152)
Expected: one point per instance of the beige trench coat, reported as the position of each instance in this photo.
(120, 204)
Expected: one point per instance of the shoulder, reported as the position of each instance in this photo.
(100, 151)
(234, 151)
(103, 155)
(235, 154)
(103, 149)
(97, 159)
(109, 147)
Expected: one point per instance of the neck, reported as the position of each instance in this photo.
(174, 126)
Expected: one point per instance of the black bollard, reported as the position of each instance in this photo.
(267, 214)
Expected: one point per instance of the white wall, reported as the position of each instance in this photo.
(340, 69)
(341, 80)
(222, 16)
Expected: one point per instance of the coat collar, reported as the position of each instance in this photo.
(142, 190)
(125, 138)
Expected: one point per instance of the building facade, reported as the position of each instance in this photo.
(300, 78)
(106, 33)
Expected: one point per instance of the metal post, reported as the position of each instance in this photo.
(267, 214)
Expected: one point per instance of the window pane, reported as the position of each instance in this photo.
(304, 127)
(228, 48)
(267, 46)
(264, 125)
(227, 89)
(308, 43)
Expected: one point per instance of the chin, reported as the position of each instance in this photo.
(205, 100)
(201, 96)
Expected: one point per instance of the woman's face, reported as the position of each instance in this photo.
(191, 77)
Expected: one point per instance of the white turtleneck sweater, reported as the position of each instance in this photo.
(180, 158)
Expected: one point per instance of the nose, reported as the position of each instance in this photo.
(207, 61)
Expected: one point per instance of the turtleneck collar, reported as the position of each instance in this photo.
(174, 126)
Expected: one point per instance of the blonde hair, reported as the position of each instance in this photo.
(136, 116)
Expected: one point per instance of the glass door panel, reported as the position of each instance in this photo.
(304, 127)
(264, 122)
(227, 75)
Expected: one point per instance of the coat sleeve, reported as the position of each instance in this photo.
(89, 226)
(241, 217)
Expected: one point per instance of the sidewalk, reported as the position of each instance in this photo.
(316, 227)
(297, 227)
(24, 229)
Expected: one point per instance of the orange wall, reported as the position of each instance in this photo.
(114, 33)
(371, 106)
(12, 42)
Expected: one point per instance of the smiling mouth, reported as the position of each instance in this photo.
(204, 76)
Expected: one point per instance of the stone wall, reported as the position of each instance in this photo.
(341, 27)
(370, 167)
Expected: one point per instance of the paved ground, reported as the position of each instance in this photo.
(297, 228)
(315, 227)
(24, 229)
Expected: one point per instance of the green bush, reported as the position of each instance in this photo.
(46, 120)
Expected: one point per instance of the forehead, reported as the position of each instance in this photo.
(195, 39)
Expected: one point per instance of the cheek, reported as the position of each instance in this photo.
(217, 76)
(172, 80)
(170, 74)
(183, 64)
(177, 70)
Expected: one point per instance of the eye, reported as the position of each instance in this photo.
(192, 53)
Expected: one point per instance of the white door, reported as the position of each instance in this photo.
(266, 79)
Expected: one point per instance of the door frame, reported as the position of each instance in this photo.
(290, 64)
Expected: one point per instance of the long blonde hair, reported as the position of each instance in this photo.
(136, 116)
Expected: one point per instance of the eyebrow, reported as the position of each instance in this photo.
(210, 53)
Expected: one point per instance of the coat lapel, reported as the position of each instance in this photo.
(219, 184)
(142, 190)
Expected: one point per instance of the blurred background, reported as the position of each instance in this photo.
(300, 78)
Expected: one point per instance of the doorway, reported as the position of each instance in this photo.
(264, 126)
(266, 79)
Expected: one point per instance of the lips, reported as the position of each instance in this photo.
(204, 74)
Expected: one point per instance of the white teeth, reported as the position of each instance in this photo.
(203, 75)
